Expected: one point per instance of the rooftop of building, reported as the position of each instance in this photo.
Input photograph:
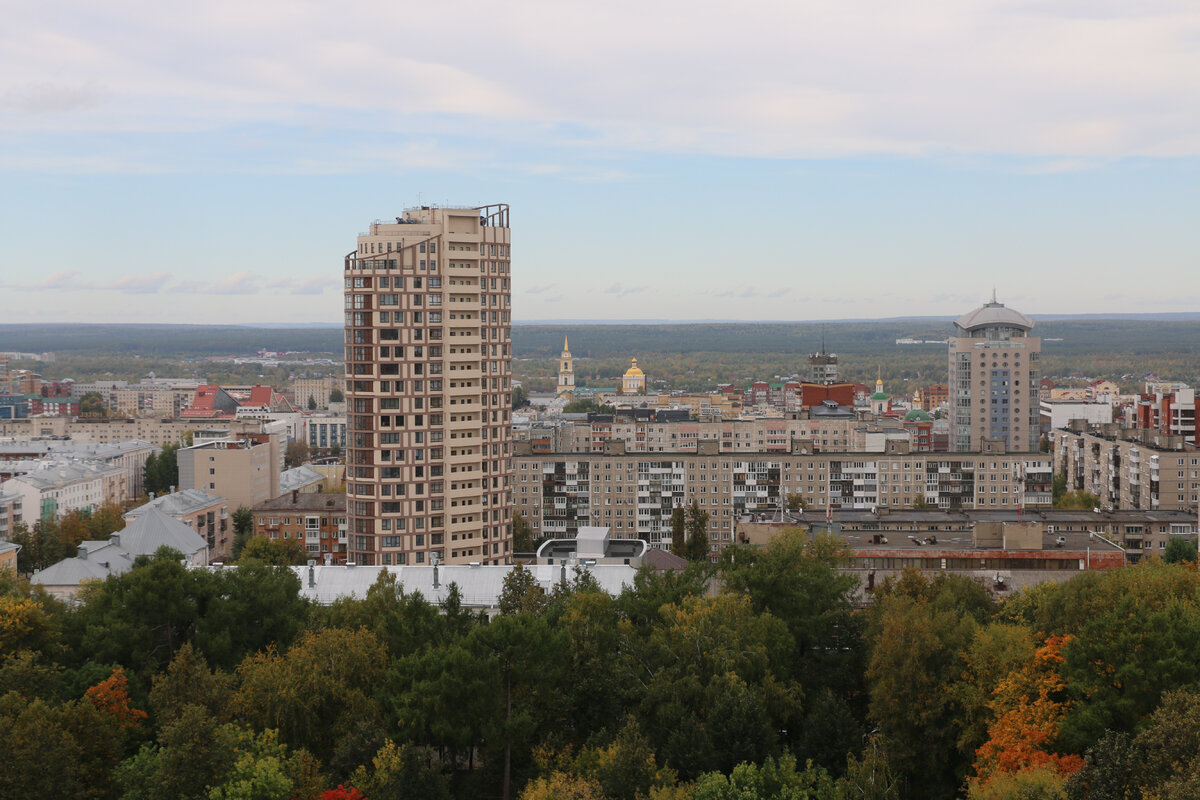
(177, 504)
(993, 314)
(305, 501)
(478, 586)
(592, 543)
(299, 478)
(55, 473)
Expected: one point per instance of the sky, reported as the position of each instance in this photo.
(798, 160)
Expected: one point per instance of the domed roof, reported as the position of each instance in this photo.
(881, 396)
(917, 415)
(993, 313)
(633, 371)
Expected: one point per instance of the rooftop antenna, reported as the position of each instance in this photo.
(993, 293)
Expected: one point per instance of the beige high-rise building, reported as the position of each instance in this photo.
(994, 380)
(429, 388)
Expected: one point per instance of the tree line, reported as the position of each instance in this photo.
(758, 677)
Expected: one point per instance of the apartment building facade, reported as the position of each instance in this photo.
(244, 469)
(317, 520)
(635, 494)
(994, 379)
(1129, 468)
(429, 388)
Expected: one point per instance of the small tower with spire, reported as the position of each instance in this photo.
(566, 371)
(880, 400)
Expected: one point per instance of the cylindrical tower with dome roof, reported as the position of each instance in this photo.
(994, 374)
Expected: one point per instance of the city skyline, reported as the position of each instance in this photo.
(787, 162)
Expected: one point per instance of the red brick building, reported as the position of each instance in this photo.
(317, 520)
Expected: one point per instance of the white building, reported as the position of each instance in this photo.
(59, 487)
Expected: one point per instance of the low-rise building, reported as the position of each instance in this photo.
(1004, 556)
(8, 556)
(96, 560)
(207, 514)
(11, 512)
(57, 487)
(316, 520)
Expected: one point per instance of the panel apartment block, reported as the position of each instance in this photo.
(429, 388)
(1130, 469)
(634, 494)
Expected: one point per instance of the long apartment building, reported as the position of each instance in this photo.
(635, 493)
(429, 388)
(1129, 468)
(653, 432)
(149, 429)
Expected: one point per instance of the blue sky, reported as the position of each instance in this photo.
(778, 160)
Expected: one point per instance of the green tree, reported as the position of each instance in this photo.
(243, 529)
(317, 692)
(276, 552)
(92, 405)
(679, 532)
(139, 619)
(774, 780)
(798, 581)
(920, 632)
(521, 592)
(312, 403)
(522, 535)
(697, 532)
(401, 773)
(162, 470)
(336, 396)
(519, 397)
(295, 454)
(1179, 550)
(795, 502)
(57, 750)
(1078, 499)
(40, 545)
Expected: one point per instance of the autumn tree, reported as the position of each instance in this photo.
(112, 697)
(1028, 710)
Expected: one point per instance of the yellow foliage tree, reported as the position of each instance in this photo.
(1028, 714)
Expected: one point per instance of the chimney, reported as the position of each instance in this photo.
(81, 553)
(115, 540)
(172, 490)
(295, 496)
(312, 573)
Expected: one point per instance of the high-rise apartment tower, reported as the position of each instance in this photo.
(429, 388)
(994, 379)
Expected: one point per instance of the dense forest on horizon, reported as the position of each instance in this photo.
(677, 356)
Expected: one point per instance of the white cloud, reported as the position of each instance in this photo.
(792, 78)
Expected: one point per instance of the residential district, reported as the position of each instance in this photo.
(687, 592)
(436, 464)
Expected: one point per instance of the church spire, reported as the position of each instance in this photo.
(566, 345)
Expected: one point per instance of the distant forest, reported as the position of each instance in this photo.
(675, 356)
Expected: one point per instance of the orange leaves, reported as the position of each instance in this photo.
(1028, 712)
(111, 696)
